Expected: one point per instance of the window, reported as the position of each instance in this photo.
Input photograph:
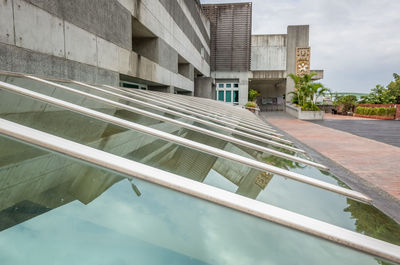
(235, 96)
(127, 85)
(221, 85)
(221, 95)
(228, 85)
(228, 96)
(236, 85)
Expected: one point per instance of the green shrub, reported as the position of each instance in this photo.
(309, 106)
(373, 111)
(361, 110)
(381, 111)
(364, 111)
(390, 112)
(251, 104)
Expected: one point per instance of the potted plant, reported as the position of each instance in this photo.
(252, 104)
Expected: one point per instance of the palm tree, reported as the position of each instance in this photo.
(317, 89)
(306, 92)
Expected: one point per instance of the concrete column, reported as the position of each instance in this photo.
(243, 88)
(203, 87)
(170, 89)
(297, 36)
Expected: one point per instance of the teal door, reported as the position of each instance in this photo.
(228, 96)
(221, 95)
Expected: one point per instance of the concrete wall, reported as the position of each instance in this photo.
(297, 36)
(92, 40)
(243, 82)
(268, 52)
(167, 21)
(203, 87)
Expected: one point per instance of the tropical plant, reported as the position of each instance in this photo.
(253, 94)
(345, 103)
(306, 91)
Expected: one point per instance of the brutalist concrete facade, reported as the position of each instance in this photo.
(230, 49)
(273, 57)
(159, 43)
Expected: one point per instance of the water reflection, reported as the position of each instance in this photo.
(373, 223)
(87, 214)
(31, 168)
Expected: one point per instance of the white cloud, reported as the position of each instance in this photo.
(356, 42)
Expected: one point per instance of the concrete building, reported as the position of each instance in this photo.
(273, 57)
(165, 45)
(151, 44)
(230, 50)
(241, 61)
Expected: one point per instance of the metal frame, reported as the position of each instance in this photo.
(188, 143)
(270, 142)
(229, 112)
(213, 118)
(203, 191)
(192, 106)
(186, 116)
(177, 122)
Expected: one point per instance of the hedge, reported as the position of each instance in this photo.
(379, 111)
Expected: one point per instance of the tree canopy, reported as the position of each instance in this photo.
(384, 95)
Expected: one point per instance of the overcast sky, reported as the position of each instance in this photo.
(356, 42)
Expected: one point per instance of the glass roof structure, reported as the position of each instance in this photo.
(110, 175)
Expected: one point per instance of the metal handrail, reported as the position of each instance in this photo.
(211, 108)
(191, 144)
(225, 114)
(207, 116)
(206, 192)
(174, 121)
(212, 124)
(243, 126)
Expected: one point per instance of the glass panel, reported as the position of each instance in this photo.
(130, 85)
(221, 95)
(221, 85)
(228, 96)
(228, 85)
(284, 193)
(235, 96)
(54, 208)
(235, 85)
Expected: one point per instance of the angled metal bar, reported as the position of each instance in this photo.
(215, 106)
(188, 143)
(215, 121)
(177, 122)
(253, 128)
(178, 114)
(226, 114)
(195, 110)
(228, 111)
(133, 169)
